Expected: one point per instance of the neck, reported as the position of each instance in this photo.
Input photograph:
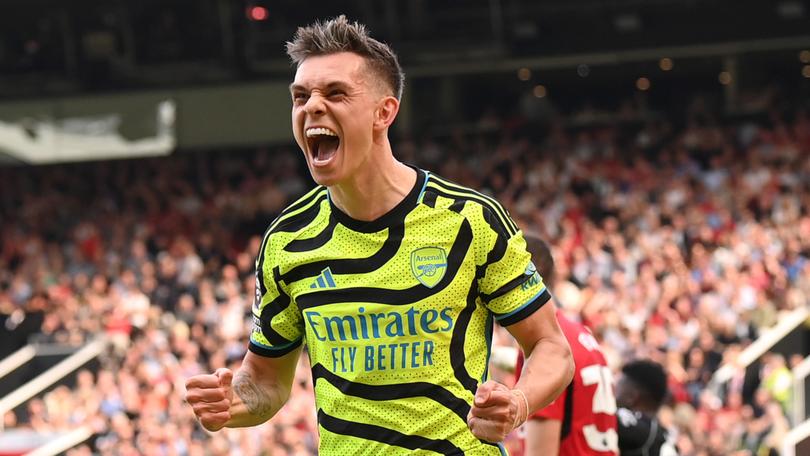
(378, 188)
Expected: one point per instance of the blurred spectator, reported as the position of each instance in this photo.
(675, 244)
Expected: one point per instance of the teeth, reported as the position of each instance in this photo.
(320, 131)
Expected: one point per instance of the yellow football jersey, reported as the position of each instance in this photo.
(396, 313)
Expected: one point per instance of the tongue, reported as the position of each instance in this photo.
(327, 148)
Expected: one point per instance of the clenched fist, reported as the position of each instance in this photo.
(495, 412)
(210, 396)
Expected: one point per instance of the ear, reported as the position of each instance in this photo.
(386, 112)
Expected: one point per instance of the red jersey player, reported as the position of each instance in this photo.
(582, 420)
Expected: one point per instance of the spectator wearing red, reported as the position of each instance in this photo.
(582, 420)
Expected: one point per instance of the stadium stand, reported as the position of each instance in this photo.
(679, 240)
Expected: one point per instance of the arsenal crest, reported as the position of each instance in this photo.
(428, 265)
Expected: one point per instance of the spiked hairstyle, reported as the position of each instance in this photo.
(339, 35)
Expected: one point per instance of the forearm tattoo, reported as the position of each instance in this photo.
(257, 401)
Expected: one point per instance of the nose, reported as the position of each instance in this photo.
(314, 105)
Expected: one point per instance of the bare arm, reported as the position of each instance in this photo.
(543, 437)
(549, 365)
(261, 387)
(548, 370)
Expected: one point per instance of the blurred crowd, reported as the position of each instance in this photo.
(678, 240)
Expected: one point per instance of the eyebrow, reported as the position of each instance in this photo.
(332, 85)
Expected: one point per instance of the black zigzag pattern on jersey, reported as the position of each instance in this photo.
(298, 221)
(485, 200)
(489, 327)
(495, 254)
(318, 193)
(385, 295)
(492, 203)
(495, 222)
(387, 436)
(270, 311)
(260, 266)
(429, 199)
(492, 220)
(351, 265)
(305, 245)
(458, 206)
(303, 201)
(457, 357)
(391, 392)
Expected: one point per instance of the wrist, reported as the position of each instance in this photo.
(522, 403)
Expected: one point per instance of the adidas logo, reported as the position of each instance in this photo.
(324, 280)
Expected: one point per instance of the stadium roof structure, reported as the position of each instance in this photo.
(49, 48)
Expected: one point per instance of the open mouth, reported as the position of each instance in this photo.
(323, 144)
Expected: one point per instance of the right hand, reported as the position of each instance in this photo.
(210, 395)
(494, 412)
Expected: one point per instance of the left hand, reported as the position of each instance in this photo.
(494, 412)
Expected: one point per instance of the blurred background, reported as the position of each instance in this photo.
(662, 147)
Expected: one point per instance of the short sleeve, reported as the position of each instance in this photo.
(277, 323)
(511, 287)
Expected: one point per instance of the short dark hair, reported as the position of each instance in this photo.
(649, 379)
(339, 35)
(541, 256)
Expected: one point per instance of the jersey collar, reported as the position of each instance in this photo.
(394, 216)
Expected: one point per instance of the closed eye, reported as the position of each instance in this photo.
(300, 97)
